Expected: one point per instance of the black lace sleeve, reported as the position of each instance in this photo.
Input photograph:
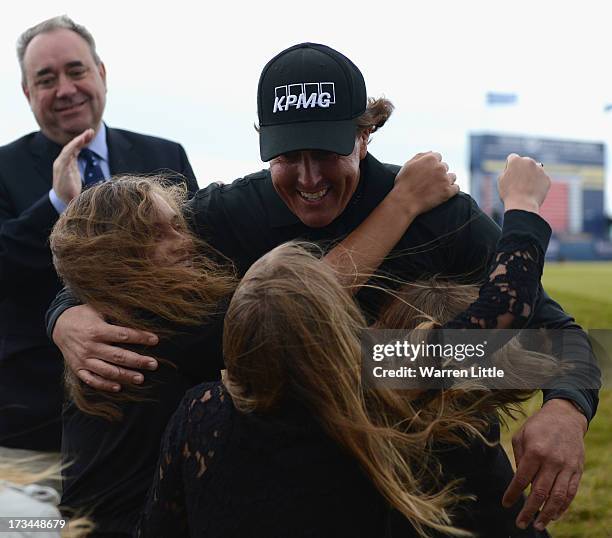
(187, 451)
(508, 297)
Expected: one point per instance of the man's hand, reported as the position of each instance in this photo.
(67, 182)
(549, 455)
(85, 339)
(423, 183)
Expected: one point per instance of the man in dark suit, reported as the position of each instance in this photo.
(65, 84)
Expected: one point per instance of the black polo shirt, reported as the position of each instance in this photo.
(246, 219)
(455, 240)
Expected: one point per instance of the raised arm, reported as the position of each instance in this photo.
(84, 338)
(423, 183)
(91, 347)
(24, 238)
(549, 448)
(509, 296)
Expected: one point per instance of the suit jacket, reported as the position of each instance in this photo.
(31, 391)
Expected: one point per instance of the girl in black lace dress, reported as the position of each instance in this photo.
(125, 248)
(292, 445)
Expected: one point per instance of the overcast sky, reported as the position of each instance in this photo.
(188, 71)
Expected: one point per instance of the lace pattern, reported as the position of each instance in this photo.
(199, 431)
(508, 298)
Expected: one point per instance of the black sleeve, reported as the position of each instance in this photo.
(473, 246)
(583, 384)
(514, 276)
(64, 300)
(477, 241)
(24, 241)
(202, 211)
(187, 171)
(213, 221)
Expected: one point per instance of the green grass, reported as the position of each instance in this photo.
(585, 291)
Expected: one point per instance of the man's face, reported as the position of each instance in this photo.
(317, 185)
(64, 86)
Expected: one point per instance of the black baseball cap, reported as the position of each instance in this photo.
(308, 97)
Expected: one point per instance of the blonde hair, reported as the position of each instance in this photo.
(20, 473)
(471, 406)
(103, 248)
(292, 333)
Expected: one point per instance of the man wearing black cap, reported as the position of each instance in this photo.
(314, 125)
(317, 88)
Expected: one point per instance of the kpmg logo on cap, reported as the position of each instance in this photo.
(304, 95)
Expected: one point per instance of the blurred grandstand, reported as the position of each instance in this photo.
(574, 207)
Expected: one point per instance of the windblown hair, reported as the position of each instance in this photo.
(103, 249)
(21, 473)
(470, 406)
(377, 112)
(28, 470)
(62, 22)
(292, 333)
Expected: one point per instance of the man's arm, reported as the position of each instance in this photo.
(421, 184)
(549, 448)
(91, 347)
(187, 171)
(475, 245)
(87, 341)
(24, 248)
(581, 385)
(24, 239)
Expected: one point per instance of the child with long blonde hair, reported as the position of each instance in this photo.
(291, 443)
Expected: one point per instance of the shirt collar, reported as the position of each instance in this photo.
(98, 144)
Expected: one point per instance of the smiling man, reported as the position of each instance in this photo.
(64, 81)
(314, 125)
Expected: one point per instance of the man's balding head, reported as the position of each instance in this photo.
(62, 78)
